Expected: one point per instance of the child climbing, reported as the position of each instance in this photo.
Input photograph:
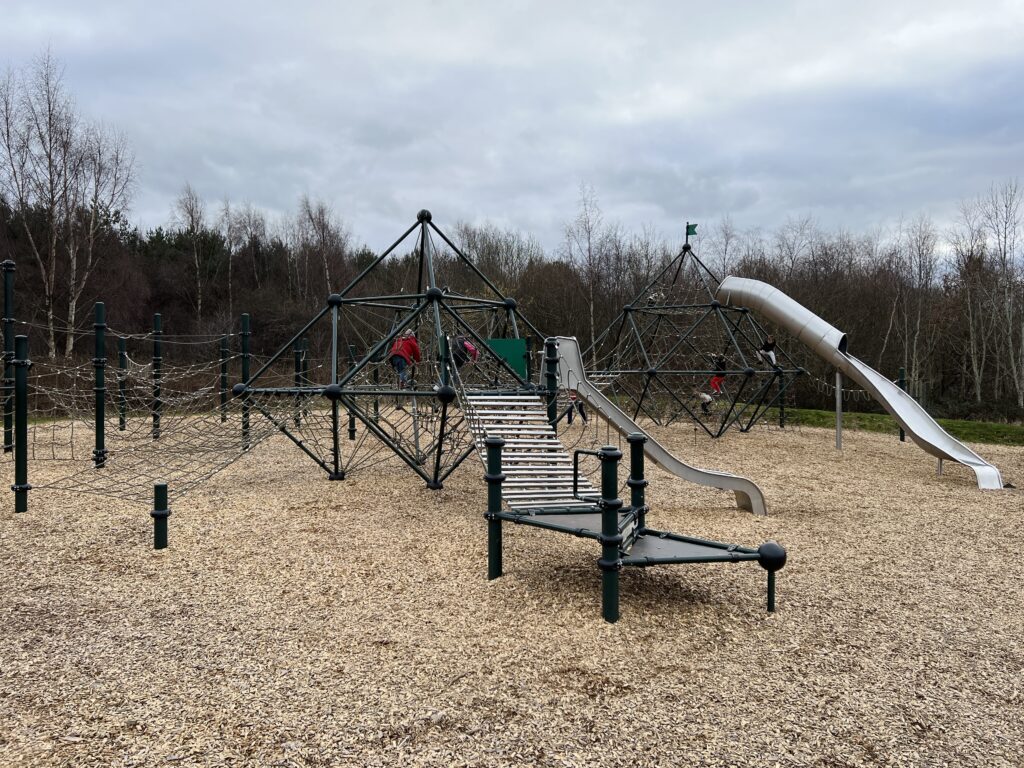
(719, 378)
(575, 404)
(766, 354)
(405, 352)
(705, 401)
(463, 351)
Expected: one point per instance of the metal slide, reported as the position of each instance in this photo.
(571, 375)
(829, 343)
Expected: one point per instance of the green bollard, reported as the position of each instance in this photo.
(8, 270)
(610, 563)
(636, 482)
(99, 454)
(245, 333)
(21, 365)
(122, 376)
(551, 376)
(224, 355)
(157, 373)
(160, 514)
(903, 385)
(494, 477)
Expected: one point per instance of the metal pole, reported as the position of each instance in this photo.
(99, 454)
(636, 482)
(224, 354)
(21, 365)
(160, 514)
(494, 478)
(122, 376)
(551, 375)
(297, 353)
(903, 386)
(157, 373)
(610, 563)
(245, 333)
(8, 270)
(839, 411)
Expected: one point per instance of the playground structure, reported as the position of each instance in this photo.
(332, 390)
(830, 343)
(655, 360)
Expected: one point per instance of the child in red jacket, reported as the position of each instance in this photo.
(404, 353)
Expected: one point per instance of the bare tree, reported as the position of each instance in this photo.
(585, 241)
(919, 269)
(320, 232)
(1001, 217)
(190, 215)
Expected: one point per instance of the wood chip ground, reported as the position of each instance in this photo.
(299, 622)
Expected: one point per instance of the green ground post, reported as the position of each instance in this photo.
(551, 378)
(99, 454)
(610, 563)
(21, 365)
(160, 514)
(636, 482)
(494, 477)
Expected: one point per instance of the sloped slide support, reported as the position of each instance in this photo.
(571, 375)
(829, 343)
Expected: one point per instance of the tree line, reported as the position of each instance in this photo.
(946, 304)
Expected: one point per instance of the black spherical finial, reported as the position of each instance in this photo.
(715, 303)
(652, 372)
(238, 390)
(749, 372)
(510, 303)
(446, 393)
(334, 300)
(423, 216)
(687, 248)
(772, 556)
(332, 392)
(434, 293)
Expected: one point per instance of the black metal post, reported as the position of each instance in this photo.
(21, 365)
(297, 353)
(610, 563)
(636, 482)
(99, 454)
(551, 374)
(245, 333)
(494, 478)
(224, 354)
(157, 373)
(122, 382)
(903, 385)
(8, 270)
(160, 514)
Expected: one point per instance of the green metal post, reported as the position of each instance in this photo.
(610, 563)
(636, 482)
(903, 385)
(297, 354)
(494, 478)
(351, 413)
(99, 454)
(160, 514)
(551, 366)
(224, 354)
(122, 376)
(8, 270)
(157, 373)
(21, 365)
(771, 591)
(246, 332)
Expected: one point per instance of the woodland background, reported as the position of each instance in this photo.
(946, 303)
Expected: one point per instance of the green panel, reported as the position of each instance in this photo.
(512, 351)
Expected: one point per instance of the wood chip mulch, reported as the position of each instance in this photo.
(299, 622)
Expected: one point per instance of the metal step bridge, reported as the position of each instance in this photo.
(537, 467)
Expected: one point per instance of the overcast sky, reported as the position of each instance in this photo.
(854, 113)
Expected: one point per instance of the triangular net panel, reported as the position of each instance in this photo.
(658, 358)
(335, 389)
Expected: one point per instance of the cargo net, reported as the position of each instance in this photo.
(677, 355)
(163, 421)
(377, 415)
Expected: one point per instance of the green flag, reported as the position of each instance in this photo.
(691, 229)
